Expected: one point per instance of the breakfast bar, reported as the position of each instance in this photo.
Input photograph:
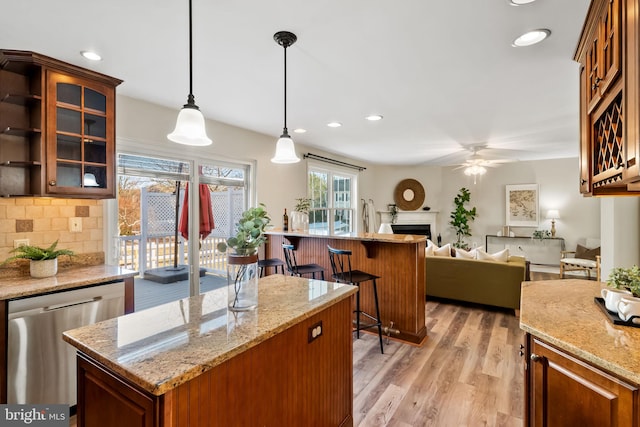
(192, 362)
(399, 260)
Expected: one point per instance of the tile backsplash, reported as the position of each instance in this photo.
(44, 220)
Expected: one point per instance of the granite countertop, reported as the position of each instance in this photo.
(165, 346)
(563, 313)
(71, 278)
(365, 237)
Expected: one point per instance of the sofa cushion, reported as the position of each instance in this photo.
(502, 256)
(472, 254)
(586, 253)
(442, 251)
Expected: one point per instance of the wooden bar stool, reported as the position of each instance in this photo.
(274, 263)
(343, 273)
(298, 270)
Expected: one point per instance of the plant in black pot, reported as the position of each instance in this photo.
(43, 261)
(242, 264)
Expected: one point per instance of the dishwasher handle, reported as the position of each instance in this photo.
(65, 305)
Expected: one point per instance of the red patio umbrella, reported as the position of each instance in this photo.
(206, 213)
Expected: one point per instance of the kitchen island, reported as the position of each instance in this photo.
(193, 363)
(399, 260)
(580, 367)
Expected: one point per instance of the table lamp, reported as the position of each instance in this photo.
(553, 214)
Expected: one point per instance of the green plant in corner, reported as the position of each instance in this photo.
(36, 253)
(625, 278)
(461, 217)
(249, 232)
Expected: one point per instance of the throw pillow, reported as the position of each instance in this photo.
(443, 251)
(461, 253)
(586, 253)
(502, 256)
(429, 250)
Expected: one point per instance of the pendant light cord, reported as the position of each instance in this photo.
(191, 99)
(285, 132)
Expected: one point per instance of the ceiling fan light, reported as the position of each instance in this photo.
(285, 151)
(190, 129)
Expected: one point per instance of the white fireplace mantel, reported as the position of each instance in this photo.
(413, 217)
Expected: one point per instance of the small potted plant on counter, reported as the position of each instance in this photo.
(44, 261)
(300, 215)
(242, 265)
(625, 278)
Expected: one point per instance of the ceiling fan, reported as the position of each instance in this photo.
(476, 165)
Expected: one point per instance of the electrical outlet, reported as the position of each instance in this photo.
(20, 242)
(315, 331)
(75, 224)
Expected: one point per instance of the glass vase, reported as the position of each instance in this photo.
(299, 221)
(242, 282)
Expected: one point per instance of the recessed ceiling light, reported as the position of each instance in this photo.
(374, 117)
(92, 56)
(520, 2)
(299, 130)
(531, 37)
(334, 124)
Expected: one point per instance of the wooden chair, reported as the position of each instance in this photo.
(574, 260)
(343, 273)
(298, 270)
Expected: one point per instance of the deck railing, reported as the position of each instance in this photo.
(158, 251)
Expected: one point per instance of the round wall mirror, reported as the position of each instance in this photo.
(409, 194)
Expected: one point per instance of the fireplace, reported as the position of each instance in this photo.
(419, 229)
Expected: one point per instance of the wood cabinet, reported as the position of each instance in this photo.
(57, 128)
(292, 379)
(562, 390)
(609, 103)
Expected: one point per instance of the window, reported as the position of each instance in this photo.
(333, 194)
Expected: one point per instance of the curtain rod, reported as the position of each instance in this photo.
(333, 161)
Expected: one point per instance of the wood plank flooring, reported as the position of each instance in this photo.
(468, 373)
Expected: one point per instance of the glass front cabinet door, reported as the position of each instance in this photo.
(80, 146)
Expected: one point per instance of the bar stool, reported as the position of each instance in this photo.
(298, 270)
(342, 273)
(274, 263)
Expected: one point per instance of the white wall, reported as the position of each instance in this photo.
(142, 127)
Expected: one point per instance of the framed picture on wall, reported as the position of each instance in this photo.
(522, 208)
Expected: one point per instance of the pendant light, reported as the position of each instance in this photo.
(190, 129)
(285, 151)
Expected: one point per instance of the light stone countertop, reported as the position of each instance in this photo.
(165, 346)
(70, 278)
(563, 313)
(365, 237)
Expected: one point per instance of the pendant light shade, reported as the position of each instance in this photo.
(285, 150)
(190, 128)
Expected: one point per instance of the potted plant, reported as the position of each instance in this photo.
(393, 211)
(43, 261)
(541, 234)
(300, 215)
(242, 265)
(625, 278)
(461, 217)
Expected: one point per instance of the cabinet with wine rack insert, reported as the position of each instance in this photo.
(57, 128)
(609, 98)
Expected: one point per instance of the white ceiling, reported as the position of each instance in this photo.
(442, 73)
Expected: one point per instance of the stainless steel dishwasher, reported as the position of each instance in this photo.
(41, 366)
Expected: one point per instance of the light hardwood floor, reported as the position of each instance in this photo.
(468, 373)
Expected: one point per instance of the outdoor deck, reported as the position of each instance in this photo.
(150, 294)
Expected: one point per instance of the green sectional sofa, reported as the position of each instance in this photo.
(484, 282)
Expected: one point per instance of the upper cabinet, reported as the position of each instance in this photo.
(57, 124)
(609, 115)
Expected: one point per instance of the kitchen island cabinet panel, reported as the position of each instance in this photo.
(287, 363)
